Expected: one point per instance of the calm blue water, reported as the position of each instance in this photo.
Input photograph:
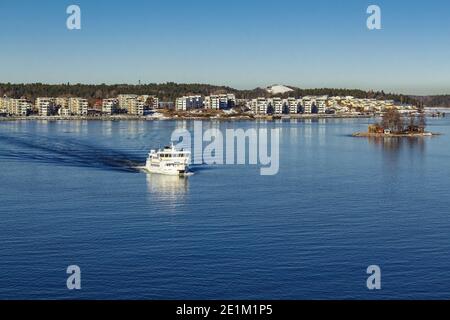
(69, 195)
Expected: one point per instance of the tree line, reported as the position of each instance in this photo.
(439, 101)
(170, 91)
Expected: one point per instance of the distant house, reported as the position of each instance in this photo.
(98, 105)
(375, 128)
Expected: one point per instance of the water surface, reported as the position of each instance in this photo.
(70, 194)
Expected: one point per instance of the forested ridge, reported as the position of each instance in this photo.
(170, 91)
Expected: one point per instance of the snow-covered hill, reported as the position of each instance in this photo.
(277, 89)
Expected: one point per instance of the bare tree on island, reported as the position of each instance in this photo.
(412, 123)
(392, 120)
(422, 118)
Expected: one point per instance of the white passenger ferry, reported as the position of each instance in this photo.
(168, 160)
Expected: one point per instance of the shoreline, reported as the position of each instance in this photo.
(395, 135)
(193, 117)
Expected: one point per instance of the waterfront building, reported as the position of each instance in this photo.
(150, 101)
(132, 103)
(259, 105)
(245, 102)
(220, 101)
(231, 100)
(16, 107)
(146, 99)
(155, 104)
(181, 104)
(4, 103)
(292, 104)
(110, 106)
(45, 106)
(135, 107)
(277, 105)
(78, 106)
(123, 100)
(314, 104)
(166, 105)
(307, 103)
(62, 102)
(143, 98)
(188, 102)
(64, 111)
(321, 104)
(97, 106)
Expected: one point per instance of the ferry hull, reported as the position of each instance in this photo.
(177, 171)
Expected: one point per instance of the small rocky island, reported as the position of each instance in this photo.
(394, 124)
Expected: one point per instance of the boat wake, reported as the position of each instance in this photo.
(69, 152)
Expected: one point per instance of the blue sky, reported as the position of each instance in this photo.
(243, 44)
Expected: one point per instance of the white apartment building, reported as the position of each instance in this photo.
(321, 104)
(62, 102)
(135, 107)
(181, 104)
(292, 104)
(188, 102)
(110, 106)
(78, 106)
(307, 103)
(17, 107)
(277, 105)
(21, 106)
(231, 100)
(133, 103)
(155, 104)
(4, 103)
(64, 111)
(259, 105)
(45, 106)
(123, 100)
(143, 98)
(149, 101)
(220, 101)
